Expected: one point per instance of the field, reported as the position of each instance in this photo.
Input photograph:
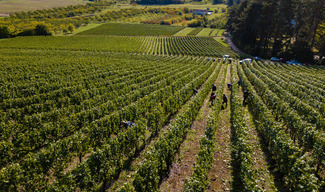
(195, 31)
(10, 6)
(199, 46)
(222, 41)
(61, 107)
(184, 32)
(205, 32)
(63, 100)
(85, 28)
(121, 5)
(132, 30)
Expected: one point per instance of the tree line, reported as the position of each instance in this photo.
(58, 20)
(283, 28)
(159, 2)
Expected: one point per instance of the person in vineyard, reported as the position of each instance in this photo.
(245, 97)
(229, 86)
(127, 124)
(224, 100)
(239, 82)
(194, 91)
(212, 97)
(214, 87)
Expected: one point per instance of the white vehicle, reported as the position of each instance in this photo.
(226, 57)
(247, 60)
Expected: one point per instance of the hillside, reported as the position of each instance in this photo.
(125, 106)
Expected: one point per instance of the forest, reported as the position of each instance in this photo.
(282, 28)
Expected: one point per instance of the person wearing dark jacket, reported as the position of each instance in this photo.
(127, 124)
(212, 97)
(224, 100)
(229, 86)
(245, 97)
(194, 91)
(239, 82)
(214, 87)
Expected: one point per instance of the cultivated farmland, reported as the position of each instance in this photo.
(132, 30)
(199, 46)
(63, 100)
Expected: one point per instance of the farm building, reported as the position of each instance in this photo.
(201, 12)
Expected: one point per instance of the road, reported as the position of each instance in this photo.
(233, 46)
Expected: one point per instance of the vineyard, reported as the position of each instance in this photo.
(168, 45)
(63, 100)
(132, 30)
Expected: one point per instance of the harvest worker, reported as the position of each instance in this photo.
(224, 100)
(194, 91)
(214, 87)
(127, 124)
(239, 82)
(245, 97)
(229, 86)
(212, 97)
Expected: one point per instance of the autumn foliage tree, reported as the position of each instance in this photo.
(5, 32)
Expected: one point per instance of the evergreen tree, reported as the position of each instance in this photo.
(218, 1)
(230, 3)
(42, 30)
(286, 28)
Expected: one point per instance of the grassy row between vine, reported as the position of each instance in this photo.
(199, 180)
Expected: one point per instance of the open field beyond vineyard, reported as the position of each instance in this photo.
(10, 6)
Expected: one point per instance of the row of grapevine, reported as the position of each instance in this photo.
(294, 164)
(162, 154)
(195, 31)
(301, 79)
(285, 90)
(124, 44)
(312, 98)
(311, 74)
(117, 157)
(242, 151)
(56, 157)
(306, 133)
(20, 107)
(127, 29)
(189, 46)
(316, 83)
(42, 133)
(199, 46)
(79, 118)
(39, 73)
(199, 180)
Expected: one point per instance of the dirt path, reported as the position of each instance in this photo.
(182, 167)
(233, 46)
(220, 173)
